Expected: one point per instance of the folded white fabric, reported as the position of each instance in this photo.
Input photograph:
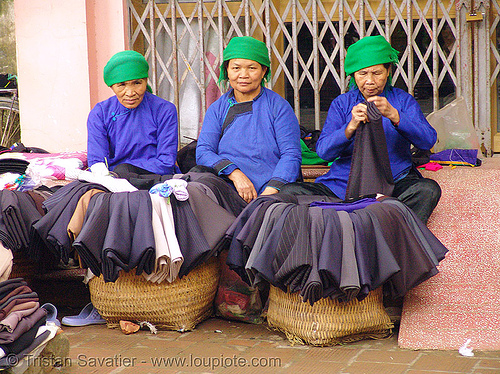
(168, 253)
(112, 184)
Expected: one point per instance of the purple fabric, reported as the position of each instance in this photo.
(459, 155)
(347, 207)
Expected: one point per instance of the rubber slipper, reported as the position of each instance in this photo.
(51, 313)
(88, 316)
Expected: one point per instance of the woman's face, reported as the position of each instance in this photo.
(130, 93)
(245, 77)
(372, 80)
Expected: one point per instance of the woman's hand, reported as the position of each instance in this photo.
(269, 191)
(385, 108)
(359, 115)
(243, 185)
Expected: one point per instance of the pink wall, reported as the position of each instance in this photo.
(62, 47)
(107, 34)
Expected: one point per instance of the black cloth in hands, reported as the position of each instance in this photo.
(370, 167)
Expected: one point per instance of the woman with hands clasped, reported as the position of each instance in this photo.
(250, 136)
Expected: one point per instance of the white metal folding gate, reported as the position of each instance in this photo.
(183, 40)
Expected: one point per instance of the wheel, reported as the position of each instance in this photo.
(10, 131)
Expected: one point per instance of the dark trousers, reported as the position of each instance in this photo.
(307, 188)
(139, 178)
(419, 194)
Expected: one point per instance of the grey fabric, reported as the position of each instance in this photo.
(330, 257)
(272, 215)
(414, 262)
(16, 300)
(7, 362)
(49, 235)
(248, 234)
(349, 278)
(362, 256)
(24, 340)
(293, 260)
(380, 262)
(263, 263)
(117, 234)
(90, 241)
(205, 189)
(213, 219)
(313, 289)
(10, 284)
(10, 322)
(24, 325)
(129, 242)
(192, 242)
(235, 258)
(19, 213)
(434, 248)
(227, 196)
(16, 291)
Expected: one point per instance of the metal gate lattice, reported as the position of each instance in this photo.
(183, 40)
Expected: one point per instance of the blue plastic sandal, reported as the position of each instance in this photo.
(88, 316)
(51, 313)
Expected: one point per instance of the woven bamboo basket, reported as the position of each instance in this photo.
(23, 267)
(179, 305)
(328, 322)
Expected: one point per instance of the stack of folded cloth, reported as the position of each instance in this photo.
(13, 165)
(18, 211)
(23, 323)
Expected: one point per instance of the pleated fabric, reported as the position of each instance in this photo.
(117, 234)
(337, 250)
(19, 212)
(90, 241)
(49, 235)
(193, 244)
(169, 257)
(129, 242)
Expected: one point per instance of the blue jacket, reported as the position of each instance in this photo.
(333, 145)
(145, 136)
(262, 139)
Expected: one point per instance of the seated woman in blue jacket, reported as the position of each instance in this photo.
(368, 62)
(133, 133)
(250, 135)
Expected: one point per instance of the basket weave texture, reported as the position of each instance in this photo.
(328, 322)
(23, 267)
(179, 305)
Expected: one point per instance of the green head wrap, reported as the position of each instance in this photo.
(369, 51)
(125, 66)
(248, 48)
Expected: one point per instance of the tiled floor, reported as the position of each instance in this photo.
(221, 346)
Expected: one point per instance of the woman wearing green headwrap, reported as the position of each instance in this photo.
(133, 133)
(369, 63)
(250, 135)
